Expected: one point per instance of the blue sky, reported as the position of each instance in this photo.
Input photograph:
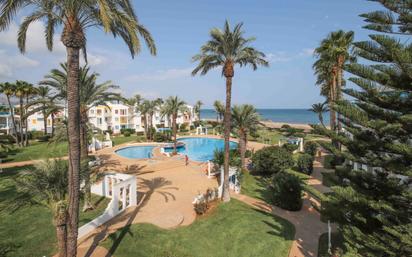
(286, 30)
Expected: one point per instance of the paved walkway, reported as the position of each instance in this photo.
(306, 221)
(24, 163)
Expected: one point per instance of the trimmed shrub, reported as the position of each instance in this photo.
(126, 133)
(160, 137)
(305, 163)
(183, 127)
(271, 160)
(290, 147)
(43, 138)
(130, 130)
(310, 147)
(36, 134)
(287, 191)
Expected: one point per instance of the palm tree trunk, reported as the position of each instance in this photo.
(321, 119)
(60, 223)
(84, 154)
(15, 136)
(242, 148)
(26, 140)
(44, 121)
(227, 120)
(52, 125)
(174, 134)
(73, 107)
(21, 121)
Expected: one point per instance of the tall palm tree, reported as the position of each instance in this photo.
(172, 107)
(29, 92)
(320, 109)
(143, 108)
(226, 49)
(197, 108)
(245, 119)
(9, 90)
(152, 107)
(91, 94)
(43, 99)
(19, 93)
(47, 185)
(335, 50)
(219, 109)
(75, 17)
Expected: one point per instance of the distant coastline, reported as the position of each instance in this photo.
(277, 117)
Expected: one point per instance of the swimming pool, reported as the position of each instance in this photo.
(200, 148)
(136, 152)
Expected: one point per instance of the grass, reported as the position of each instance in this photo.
(43, 150)
(336, 240)
(232, 229)
(29, 230)
(330, 179)
(256, 186)
(266, 136)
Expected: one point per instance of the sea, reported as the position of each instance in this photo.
(293, 116)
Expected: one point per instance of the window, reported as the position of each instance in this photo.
(116, 111)
(34, 121)
(116, 119)
(99, 121)
(40, 119)
(137, 126)
(116, 127)
(99, 112)
(91, 111)
(123, 112)
(123, 120)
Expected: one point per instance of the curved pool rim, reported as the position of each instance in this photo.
(153, 146)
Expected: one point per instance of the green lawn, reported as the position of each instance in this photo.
(233, 229)
(256, 186)
(29, 230)
(43, 150)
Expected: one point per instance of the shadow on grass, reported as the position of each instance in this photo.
(279, 227)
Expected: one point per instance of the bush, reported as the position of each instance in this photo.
(160, 137)
(305, 163)
(126, 133)
(130, 130)
(310, 147)
(287, 191)
(290, 147)
(271, 160)
(140, 133)
(108, 131)
(36, 134)
(43, 138)
(183, 127)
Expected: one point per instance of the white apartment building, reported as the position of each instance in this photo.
(112, 116)
(116, 116)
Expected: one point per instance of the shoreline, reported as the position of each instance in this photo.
(277, 124)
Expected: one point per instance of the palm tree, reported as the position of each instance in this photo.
(143, 108)
(320, 109)
(172, 107)
(9, 89)
(245, 120)
(91, 94)
(225, 49)
(333, 52)
(47, 185)
(29, 91)
(197, 108)
(75, 17)
(152, 107)
(43, 99)
(219, 109)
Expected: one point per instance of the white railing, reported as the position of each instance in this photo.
(122, 189)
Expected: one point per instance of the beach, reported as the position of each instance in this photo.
(277, 125)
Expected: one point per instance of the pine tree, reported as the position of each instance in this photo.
(374, 209)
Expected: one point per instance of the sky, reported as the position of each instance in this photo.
(287, 31)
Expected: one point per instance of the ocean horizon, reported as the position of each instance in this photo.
(293, 116)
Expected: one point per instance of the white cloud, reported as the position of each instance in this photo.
(35, 39)
(9, 63)
(161, 75)
(93, 59)
(281, 56)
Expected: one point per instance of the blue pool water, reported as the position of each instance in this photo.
(201, 149)
(136, 152)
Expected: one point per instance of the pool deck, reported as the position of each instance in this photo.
(166, 188)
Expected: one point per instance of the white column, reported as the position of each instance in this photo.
(106, 186)
(133, 192)
(124, 197)
(115, 198)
